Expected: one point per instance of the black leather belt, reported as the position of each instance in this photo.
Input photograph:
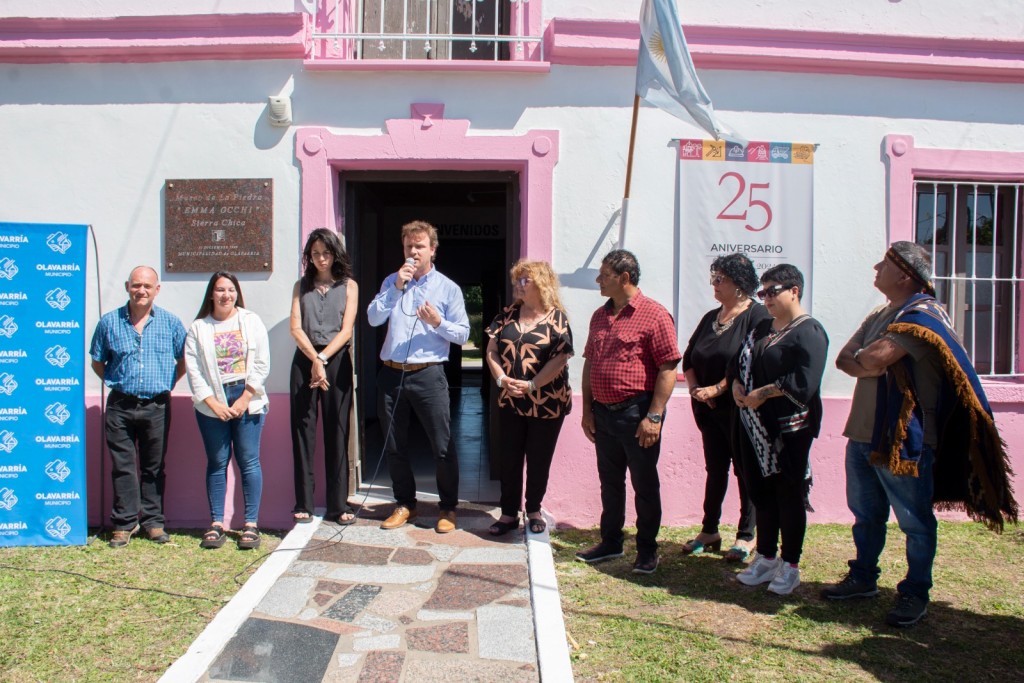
(128, 401)
(631, 401)
(233, 384)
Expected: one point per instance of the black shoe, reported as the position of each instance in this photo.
(849, 587)
(646, 562)
(908, 611)
(599, 553)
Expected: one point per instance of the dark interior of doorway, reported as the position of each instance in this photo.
(474, 213)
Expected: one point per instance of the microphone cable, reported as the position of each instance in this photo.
(339, 535)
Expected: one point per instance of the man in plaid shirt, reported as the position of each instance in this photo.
(139, 353)
(628, 377)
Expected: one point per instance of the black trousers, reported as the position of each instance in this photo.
(716, 431)
(531, 439)
(618, 451)
(137, 428)
(424, 393)
(780, 498)
(334, 404)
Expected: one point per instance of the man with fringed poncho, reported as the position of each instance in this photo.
(921, 434)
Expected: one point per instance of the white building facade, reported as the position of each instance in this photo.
(516, 147)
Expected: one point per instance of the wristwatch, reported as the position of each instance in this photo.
(322, 358)
(498, 381)
(654, 418)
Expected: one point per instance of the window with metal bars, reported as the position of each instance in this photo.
(974, 232)
(488, 30)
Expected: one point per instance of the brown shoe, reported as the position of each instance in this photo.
(445, 522)
(121, 537)
(157, 534)
(400, 516)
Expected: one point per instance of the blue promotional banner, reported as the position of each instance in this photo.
(42, 393)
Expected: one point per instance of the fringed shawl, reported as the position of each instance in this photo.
(972, 469)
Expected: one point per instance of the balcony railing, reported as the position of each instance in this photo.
(440, 30)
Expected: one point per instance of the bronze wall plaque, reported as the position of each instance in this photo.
(212, 225)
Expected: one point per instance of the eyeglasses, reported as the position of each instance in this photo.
(771, 292)
(523, 281)
(717, 280)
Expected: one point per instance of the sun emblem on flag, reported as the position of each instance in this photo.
(656, 46)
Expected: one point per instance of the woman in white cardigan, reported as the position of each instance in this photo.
(227, 353)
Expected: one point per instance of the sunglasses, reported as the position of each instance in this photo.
(717, 280)
(771, 292)
(523, 281)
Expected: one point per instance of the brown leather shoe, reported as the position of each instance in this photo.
(157, 534)
(445, 522)
(121, 537)
(400, 516)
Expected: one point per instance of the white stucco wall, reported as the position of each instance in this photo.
(953, 18)
(95, 143)
(128, 8)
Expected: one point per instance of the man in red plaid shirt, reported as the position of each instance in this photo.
(628, 377)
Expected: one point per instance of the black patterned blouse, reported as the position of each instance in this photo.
(524, 352)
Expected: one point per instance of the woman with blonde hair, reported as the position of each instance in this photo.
(528, 353)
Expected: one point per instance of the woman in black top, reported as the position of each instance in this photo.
(324, 305)
(528, 352)
(714, 343)
(776, 383)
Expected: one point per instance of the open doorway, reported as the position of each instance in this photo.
(477, 217)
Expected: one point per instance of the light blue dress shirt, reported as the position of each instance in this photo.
(409, 339)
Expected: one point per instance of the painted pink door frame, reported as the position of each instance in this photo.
(426, 141)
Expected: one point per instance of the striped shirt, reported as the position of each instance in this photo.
(142, 365)
(626, 350)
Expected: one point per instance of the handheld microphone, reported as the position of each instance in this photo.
(410, 261)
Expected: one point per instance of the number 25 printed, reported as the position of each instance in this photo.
(751, 202)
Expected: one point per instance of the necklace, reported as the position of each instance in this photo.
(718, 327)
(527, 323)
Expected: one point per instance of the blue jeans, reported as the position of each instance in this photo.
(870, 491)
(242, 435)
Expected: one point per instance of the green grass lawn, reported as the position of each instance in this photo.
(92, 613)
(692, 621)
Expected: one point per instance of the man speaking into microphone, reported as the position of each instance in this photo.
(425, 313)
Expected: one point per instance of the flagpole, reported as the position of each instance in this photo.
(629, 173)
(632, 145)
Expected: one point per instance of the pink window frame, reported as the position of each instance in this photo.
(907, 162)
(330, 56)
(428, 142)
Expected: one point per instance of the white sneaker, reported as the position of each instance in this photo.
(787, 578)
(761, 570)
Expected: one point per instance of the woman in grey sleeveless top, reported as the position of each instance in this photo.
(324, 305)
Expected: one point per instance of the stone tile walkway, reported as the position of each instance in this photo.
(359, 603)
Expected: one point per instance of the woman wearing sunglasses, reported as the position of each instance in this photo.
(528, 352)
(776, 384)
(714, 343)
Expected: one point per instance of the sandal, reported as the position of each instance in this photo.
(302, 517)
(738, 553)
(213, 538)
(250, 538)
(500, 528)
(345, 518)
(537, 525)
(697, 547)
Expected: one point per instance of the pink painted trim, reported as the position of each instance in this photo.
(605, 43)
(153, 39)
(425, 65)
(907, 163)
(427, 142)
(586, 42)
